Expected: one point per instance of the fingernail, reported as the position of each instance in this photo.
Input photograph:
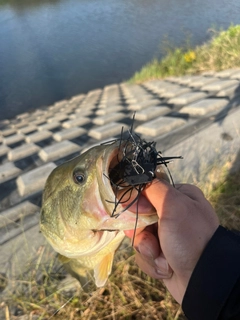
(161, 265)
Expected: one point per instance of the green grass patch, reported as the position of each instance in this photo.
(221, 52)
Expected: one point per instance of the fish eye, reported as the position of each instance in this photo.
(78, 177)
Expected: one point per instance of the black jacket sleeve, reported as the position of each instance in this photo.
(213, 291)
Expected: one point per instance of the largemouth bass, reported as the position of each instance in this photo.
(79, 215)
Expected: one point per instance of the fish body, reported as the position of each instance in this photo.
(77, 211)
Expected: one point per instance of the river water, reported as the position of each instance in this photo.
(54, 49)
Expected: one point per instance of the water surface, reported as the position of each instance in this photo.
(54, 49)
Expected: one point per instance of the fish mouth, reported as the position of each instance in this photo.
(121, 199)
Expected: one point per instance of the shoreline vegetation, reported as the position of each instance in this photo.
(220, 53)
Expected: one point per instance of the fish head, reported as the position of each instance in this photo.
(78, 204)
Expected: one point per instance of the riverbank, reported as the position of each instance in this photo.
(194, 116)
(220, 53)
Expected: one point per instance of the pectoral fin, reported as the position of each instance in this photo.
(103, 270)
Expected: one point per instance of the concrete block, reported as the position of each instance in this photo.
(18, 219)
(209, 73)
(185, 80)
(68, 134)
(68, 109)
(104, 111)
(78, 99)
(200, 81)
(79, 111)
(110, 92)
(160, 126)
(13, 139)
(126, 94)
(174, 91)
(131, 101)
(94, 93)
(172, 79)
(104, 104)
(81, 121)
(144, 104)
(92, 97)
(87, 106)
(49, 126)
(172, 87)
(187, 98)
(137, 91)
(34, 180)
(108, 130)
(59, 104)
(144, 97)
(111, 87)
(22, 115)
(27, 129)
(4, 123)
(39, 113)
(109, 118)
(18, 212)
(147, 84)
(8, 171)
(20, 125)
(228, 73)
(160, 87)
(72, 116)
(219, 85)
(4, 150)
(58, 117)
(229, 92)
(152, 112)
(38, 136)
(236, 76)
(38, 122)
(8, 131)
(58, 150)
(22, 151)
(206, 106)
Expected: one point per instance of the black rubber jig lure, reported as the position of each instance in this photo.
(135, 169)
(139, 162)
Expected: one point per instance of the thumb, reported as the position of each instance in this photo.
(158, 192)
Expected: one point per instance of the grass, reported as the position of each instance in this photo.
(129, 294)
(43, 292)
(224, 195)
(221, 52)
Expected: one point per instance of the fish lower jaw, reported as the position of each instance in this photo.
(77, 251)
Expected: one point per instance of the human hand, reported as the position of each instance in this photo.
(171, 249)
